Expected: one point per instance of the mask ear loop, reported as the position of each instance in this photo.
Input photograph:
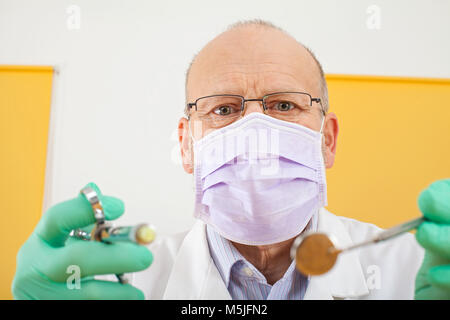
(189, 129)
(322, 140)
(323, 114)
(321, 126)
(191, 150)
(191, 141)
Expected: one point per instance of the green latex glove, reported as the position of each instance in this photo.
(43, 261)
(433, 278)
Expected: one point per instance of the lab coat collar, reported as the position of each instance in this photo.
(195, 276)
(346, 279)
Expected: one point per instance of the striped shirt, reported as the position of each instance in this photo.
(244, 281)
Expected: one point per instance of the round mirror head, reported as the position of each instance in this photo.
(315, 254)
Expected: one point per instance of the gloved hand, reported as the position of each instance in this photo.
(43, 261)
(433, 278)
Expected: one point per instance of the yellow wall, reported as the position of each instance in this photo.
(394, 140)
(25, 94)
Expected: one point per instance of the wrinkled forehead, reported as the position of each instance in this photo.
(256, 60)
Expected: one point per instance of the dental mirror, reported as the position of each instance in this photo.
(315, 253)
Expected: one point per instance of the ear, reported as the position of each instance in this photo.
(185, 145)
(330, 134)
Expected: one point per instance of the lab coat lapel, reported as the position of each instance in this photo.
(194, 274)
(346, 279)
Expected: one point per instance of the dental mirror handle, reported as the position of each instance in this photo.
(387, 234)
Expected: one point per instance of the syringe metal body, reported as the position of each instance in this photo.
(105, 232)
(141, 234)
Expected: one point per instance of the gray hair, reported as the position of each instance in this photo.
(262, 23)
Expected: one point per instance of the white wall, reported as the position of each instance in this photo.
(120, 88)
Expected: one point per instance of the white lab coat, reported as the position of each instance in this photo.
(183, 268)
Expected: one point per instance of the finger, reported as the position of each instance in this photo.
(435, 237)
(440, 276)
(430, 292)
(96, 258)
(434, 202)
(424, 288)
(85, 289)
(61, 218)
(108, 290)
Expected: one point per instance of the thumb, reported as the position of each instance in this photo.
(63, 217)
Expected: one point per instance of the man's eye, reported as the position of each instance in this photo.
(223, 110)
(284, 106)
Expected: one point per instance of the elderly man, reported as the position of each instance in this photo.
(257, 137)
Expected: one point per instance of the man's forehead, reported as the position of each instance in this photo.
(257, 78)
(269, 60)
(241, 82)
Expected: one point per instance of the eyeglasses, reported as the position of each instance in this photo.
(221, 110)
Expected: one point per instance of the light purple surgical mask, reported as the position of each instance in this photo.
(259, 180)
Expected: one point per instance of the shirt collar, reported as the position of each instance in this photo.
(223, 253)
(228, 259)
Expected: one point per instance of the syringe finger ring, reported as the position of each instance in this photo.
(80, 234)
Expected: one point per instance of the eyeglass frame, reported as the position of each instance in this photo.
(262, 100)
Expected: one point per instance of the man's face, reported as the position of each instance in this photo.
(253, 61)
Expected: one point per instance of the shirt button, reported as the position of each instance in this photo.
(248, 271)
